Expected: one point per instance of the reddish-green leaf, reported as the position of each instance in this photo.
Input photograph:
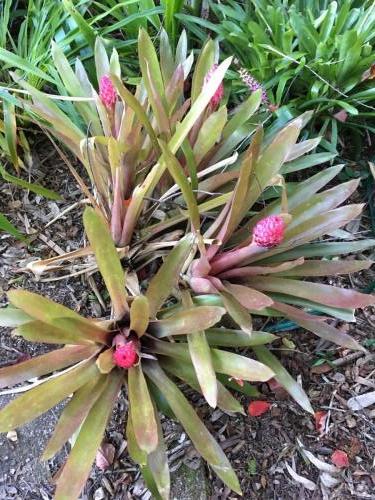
(50, 312)
(74, 414)
(37, 331)
(317, 326)
(202, 439)
(142, 410)
(76, 469)
(107, 259)
(317, 292)
(157, 462)
(46, 363)
(248, 297)
(237, 312)
(39, 399)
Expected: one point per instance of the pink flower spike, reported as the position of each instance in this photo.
(269, 232)
(107, 92)
(218, 95)
(126, 355)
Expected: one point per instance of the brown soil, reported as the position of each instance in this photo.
(258, 447)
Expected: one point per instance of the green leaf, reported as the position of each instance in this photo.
(272, 158)
(35, 188)
(324, 250)
(284, 378)
(210, 133)
(86, 30)
(8, 227)
(45, 363)
(39, 399)
(78, 465)
(107, 259)
(166, 278)
(187, 321)
(243, 113)
(142, 410)
(186, 372)
(201, 438)
(139, 315)
(15, 61)
(11, 317)
(37, 331)
(135, 105)
(240, 366)
(177, 172)
(237, 338)
(74, 414)
(327, 267)
(10, 129)
(148, 57)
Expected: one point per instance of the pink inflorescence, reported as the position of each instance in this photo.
(252, 83)
(126, 355)
(218, 95)
(107, 92)
(269, 232)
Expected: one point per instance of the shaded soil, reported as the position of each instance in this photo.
(259, 448)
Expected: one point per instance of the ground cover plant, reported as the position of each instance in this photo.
(164, 172)
(307, 56)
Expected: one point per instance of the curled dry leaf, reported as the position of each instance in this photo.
(360, 402)
(340, 459)
(105, 456)
(257, 408)
(307, 483)
(319, 464)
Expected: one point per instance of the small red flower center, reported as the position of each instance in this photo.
(269, 232)
(126, 355)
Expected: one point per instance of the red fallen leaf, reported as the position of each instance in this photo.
(320, 421)
(340, 459)
(105, 456)
(257, 408)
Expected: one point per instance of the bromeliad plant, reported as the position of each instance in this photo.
(246, 250)
(126, 140)
(134, 349)
(260, 259)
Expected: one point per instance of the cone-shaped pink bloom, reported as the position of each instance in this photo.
(107, 92)
(269, 232)
(126, 355)
(218, 95)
